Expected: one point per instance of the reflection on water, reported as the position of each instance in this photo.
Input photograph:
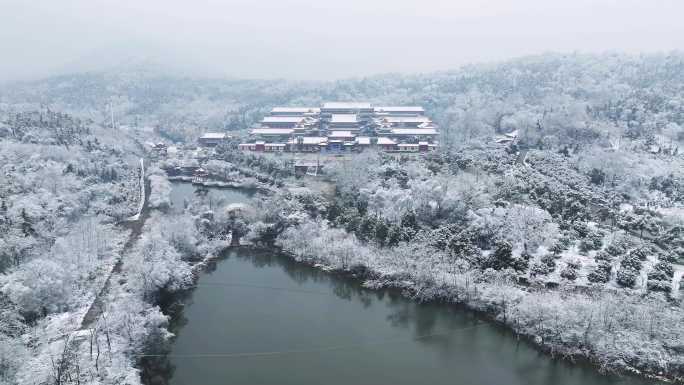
(385, 338)
(183, 193)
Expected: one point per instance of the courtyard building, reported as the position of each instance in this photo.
(342, 127)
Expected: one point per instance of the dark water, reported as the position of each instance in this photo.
(323, 329)
(184, 192)
(260, 318)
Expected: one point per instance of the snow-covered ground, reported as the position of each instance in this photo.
(677, 280)
(141, 181)
(674, 215)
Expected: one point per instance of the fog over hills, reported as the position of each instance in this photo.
(331, 40)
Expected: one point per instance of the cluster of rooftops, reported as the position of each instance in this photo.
(342, 126)
(339, 126)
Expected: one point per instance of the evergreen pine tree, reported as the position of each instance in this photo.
(381, 232)
(26, 225)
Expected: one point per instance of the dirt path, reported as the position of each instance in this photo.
(135, 225)
(522, 155)
(677, 279)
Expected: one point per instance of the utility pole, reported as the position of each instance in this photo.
(111, 111)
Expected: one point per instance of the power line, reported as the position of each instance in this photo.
(227, 284)
(304, 351)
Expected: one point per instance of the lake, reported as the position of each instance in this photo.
(258, 317)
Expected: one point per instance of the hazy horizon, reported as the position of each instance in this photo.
(240, 39)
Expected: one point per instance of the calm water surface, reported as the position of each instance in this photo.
(319, 328)
(184, 192)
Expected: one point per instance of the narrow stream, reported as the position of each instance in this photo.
(260, 318)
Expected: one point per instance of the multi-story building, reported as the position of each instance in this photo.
(343, 126)
(272, 133)
(405, 121)
(353, 108)
(211, 139)
(282, 121)
(344, 122)
(413, 134)
(307, 144)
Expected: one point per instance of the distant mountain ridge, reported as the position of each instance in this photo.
(627, 92)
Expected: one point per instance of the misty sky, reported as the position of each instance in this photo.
(319, 39)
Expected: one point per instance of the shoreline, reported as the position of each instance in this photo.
(448, 294)
(259, 187)
(407, 290)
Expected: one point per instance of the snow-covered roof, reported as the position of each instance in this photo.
(363, 140)
(308, 163)
(275, 144)
(349, 105)
(283, 119)
(382, 140)
(341, 134)
(390, 109)
(310, 140)
(414, 131)
(272, 131)
(512, 134)
(214, 135)
(313, 139)
(294, 110)
(406, 119)
(343, 118)
(407, 145)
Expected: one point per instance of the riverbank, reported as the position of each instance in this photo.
(608, 328)
(214, 184)
(471, 234)
(375, 280)
(117, 318)
(296, 295)
(532, 314)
